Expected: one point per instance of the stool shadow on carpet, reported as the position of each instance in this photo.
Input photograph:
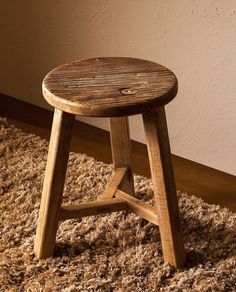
(212, 241)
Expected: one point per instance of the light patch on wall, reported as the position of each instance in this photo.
(195, 39)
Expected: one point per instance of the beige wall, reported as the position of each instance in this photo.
(194, 38)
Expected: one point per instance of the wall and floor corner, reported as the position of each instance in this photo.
(196, 39)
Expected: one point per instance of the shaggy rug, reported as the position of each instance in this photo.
(115, 252)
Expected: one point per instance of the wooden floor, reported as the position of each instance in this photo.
(212, 185)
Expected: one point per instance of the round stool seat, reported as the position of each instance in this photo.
(109, 87)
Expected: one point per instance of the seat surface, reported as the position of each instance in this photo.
(109, 87)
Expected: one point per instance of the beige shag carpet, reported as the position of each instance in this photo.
(115, 252)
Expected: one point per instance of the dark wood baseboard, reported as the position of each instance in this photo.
(212, 185)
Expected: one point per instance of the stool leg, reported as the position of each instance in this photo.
(164, 186)
(53, 184)
(121, 151)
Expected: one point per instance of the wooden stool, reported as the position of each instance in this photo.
(115, 88)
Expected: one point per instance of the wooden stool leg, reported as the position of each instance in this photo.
(121, 151)
(53, 184)
(164, 186)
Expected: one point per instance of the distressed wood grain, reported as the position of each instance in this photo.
(53, 185)
(109, 87)
(164, 188)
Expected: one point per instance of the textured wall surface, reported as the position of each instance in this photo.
(196, 39)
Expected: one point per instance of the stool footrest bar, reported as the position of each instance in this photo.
(92, 208)
(114, 183)
(138, 207)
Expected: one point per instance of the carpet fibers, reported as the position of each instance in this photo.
(115, 252)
